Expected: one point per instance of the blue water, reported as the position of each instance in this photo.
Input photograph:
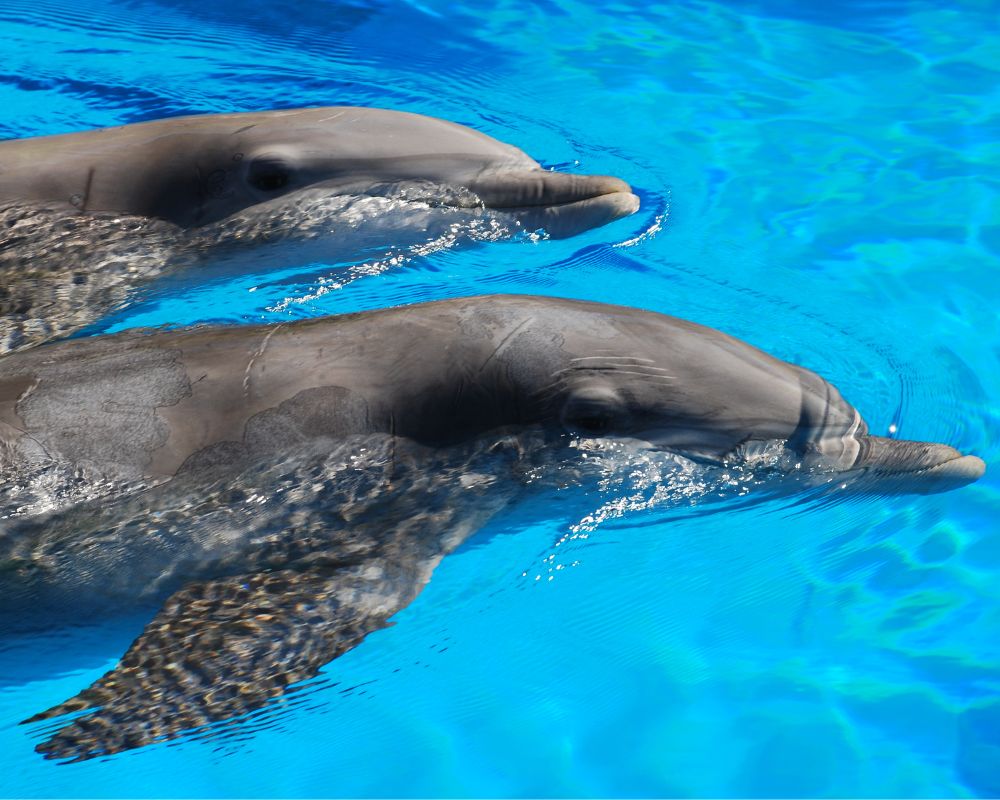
(821, 180)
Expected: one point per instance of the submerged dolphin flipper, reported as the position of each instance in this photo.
(219, 649)
(321, 577)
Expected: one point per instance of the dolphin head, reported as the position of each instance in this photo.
(600, 371)
(353, 151)
(193, 171)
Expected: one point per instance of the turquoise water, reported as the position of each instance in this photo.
(821, 184)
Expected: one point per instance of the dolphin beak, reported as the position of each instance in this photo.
(921, 467)
(563, 205)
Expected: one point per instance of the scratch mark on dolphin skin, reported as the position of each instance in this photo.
(17, 428)
(86, 189)
(504, 341)
(628, 366)
(338, 115)
(392, 449)
(244, 129)
(616, 371)
(25, 433)
(27, 392)
(636, 359)
(561, 377)
(80, 200)
(254, 356)
(612, 370)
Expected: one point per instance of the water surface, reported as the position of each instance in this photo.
(823, 185)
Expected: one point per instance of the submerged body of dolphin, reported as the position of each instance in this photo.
(87, 218)
(287, 489)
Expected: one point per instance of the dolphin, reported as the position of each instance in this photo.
(281, 491)
(88, 218)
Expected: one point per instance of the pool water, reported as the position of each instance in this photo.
(821, 180)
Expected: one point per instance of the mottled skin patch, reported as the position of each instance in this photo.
(107, 425)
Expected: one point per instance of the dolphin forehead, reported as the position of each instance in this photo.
(669, 373)
(368, 129)
(346, 133)
(368, 133)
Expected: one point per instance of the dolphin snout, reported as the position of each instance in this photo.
(537, 187)
(923, 467)
(564, 205)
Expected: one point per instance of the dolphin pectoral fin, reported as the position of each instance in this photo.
(222, 648)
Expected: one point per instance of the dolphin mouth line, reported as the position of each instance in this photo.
(919, 470)
(540, 188)
(560, 203)
(509, 192)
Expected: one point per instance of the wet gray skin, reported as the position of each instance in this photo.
(288, 488)
(88, 218)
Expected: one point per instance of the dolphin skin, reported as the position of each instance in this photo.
(282, 491)
(88, 218)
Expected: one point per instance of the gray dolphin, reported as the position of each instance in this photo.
(288, 488)
(86, 218)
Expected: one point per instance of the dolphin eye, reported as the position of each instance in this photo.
(593, 411)
(268, 176)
